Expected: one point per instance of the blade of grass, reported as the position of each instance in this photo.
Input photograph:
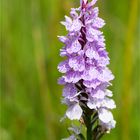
(44, 89)
(128, 66)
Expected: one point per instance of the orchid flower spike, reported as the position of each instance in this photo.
(86, 75)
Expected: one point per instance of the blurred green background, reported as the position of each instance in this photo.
(30, 107)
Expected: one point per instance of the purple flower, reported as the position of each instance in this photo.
(74, 112)
(86, 75)
(76, 131)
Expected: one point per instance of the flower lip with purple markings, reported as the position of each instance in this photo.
(86, 75)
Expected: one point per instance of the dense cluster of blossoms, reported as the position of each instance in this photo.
(86, 75)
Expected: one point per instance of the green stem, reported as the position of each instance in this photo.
(90, 118)
(89, 128)
(88, 122)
